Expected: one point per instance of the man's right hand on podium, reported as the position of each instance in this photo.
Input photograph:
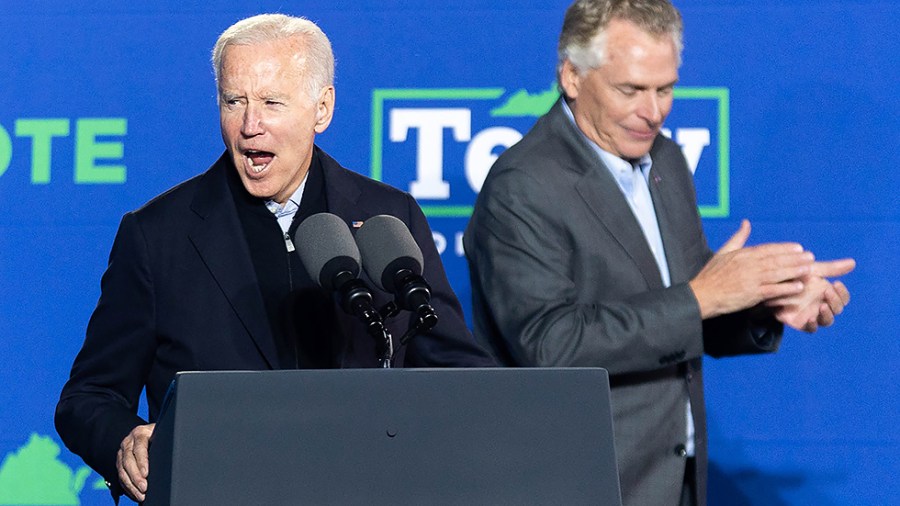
(133, 461)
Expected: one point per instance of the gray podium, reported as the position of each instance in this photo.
(386, 436)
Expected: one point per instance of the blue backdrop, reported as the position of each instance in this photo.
(788, 108)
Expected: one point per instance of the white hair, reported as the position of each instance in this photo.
(318, 58)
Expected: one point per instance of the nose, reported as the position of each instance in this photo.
(252, 124)
(651, 108)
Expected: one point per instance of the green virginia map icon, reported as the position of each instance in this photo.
(522, 103)
(34, 475)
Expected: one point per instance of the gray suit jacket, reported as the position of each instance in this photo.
(562, 276)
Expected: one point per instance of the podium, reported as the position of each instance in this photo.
(386, 436)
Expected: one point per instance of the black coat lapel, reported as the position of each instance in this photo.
(342, 195)
(341, 192)
(220, 242)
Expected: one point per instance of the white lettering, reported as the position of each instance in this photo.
(480, 153)
(430, 183)
(692, 142)
(460, 249)
(440, 242)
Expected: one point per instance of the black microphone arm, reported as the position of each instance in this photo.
(331, 257)
(355, 298)
(394, 262)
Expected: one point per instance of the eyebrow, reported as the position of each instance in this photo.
(225, 94)
(646, 87)
(274, 96)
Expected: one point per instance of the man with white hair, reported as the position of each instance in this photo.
(206, 277)
(586, 250)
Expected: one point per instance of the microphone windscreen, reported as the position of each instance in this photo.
(387, 247)
(326, 248)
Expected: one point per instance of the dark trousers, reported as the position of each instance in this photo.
(689, 487)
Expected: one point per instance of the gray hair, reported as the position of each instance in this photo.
(318, 61)
(583, 37)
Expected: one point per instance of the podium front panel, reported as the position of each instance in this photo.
(395, 436)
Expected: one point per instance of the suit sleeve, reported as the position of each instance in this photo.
(449, 343)
(743, 333)
(98, 404)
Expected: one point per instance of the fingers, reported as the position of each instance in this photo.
(780, 289)
(735, 280)
(818, 305)
(129, 474)
(772, 264)
(132, 461)
(737, 240)
(826, 315)
(141, 457)
(777, 249)
(787, 267)
(802, 318)
(833, 301)
(833, 268)
(780, 275)
(842, 292)
(810, 327)
(779, 269)
(835, 298)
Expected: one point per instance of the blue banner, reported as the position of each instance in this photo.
(787, 111)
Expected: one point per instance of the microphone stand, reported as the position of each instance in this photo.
(414, 294)
(384, 345)
(426, 319)
(355, 298)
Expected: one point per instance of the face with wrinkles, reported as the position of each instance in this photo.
(622, 104)
(268, 119)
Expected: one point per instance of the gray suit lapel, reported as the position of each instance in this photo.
(220, 242)
(602, 195)
(607, 203)
(667, 202)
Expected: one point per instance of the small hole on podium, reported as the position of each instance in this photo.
(391, 433)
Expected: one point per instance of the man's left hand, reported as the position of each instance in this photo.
(819, 302)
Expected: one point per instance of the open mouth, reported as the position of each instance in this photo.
(258, 160)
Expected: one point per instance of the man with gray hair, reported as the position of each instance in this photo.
(586, 249)
(206, 276)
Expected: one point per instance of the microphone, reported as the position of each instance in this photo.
(331, 258)
(393, 261)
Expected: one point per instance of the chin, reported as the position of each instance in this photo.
(255, 190)
(635, 151)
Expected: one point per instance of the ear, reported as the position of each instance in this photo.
(324, 109)
(569, 79)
